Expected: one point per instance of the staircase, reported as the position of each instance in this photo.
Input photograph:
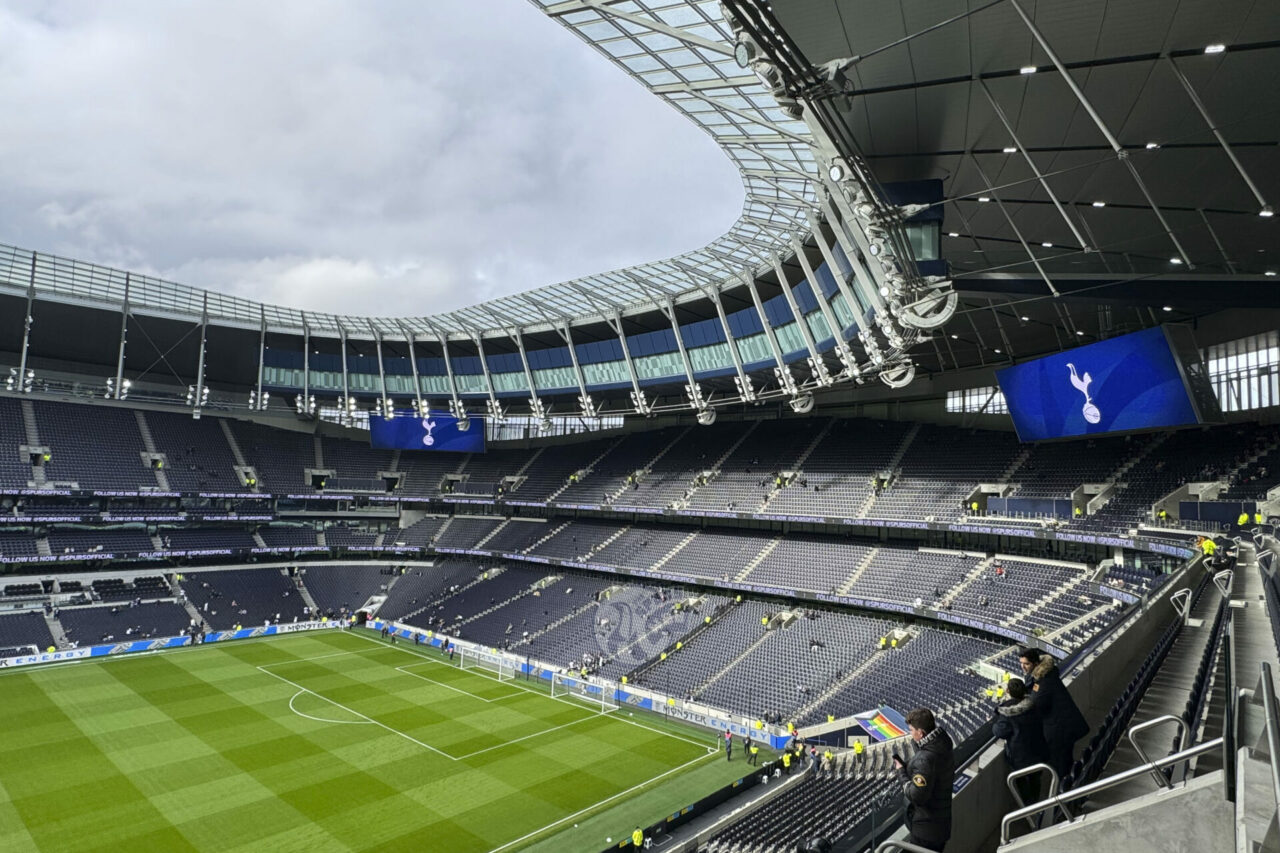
(857, 573)
(42, 547)
(319, 452)
(395, 461)
(1060, 590)
(758, 558)
(649, 465)
(533, 635)
(836, 687)
(798, 464)
(764, 638)
(532, 458)
(442, 599)
(55, 628)
(443, 528)
(719, 463)
(378, 542)
(866, 506)
(596, 549)
(535, 545)
(977, 572)
(588, 468)
(546, 583)
(1018, 461)
(896, 459)
(320, 539)
(149, 443)
(1142, 454)
(258, 540)
(667, 557)
(492, 533)
(29, 421)
(231, 442)
(304, 593)
(157, 542)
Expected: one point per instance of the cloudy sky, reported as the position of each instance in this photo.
(389, 157)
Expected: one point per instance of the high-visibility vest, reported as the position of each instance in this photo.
(858, 747)
(637, 838)
(827, 756)
(831, 718)
(786, 759)
(1243, 519)
(1257, 518)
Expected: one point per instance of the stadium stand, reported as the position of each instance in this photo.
(122, 623)
(248, 597)
(22, 630)
(113, 460)
(15, 469)
(338, 588)
(199, 458)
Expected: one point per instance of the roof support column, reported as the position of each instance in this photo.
(536, 407)
(816, 364)
(455, 403)
(842, 283)
(418, 406)
(584, 398)
(117, 390)
(388, 408)
(256, 401)
(348, 405)
(21, 382)
(495, 410)
(1120, 152)
(780, 370)
(828, 312)
(745, 390)
(306, 404)
(692, 390)
(638, 398)
(1214, 234)
(198, 395)
(1013, 226)
(1264, 208)
(867, 283)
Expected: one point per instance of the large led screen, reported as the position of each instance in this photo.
(407, 431)
(1132, 382)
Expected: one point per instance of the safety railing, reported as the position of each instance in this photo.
(1054, 784)
(1273, 727)
(1153, 766)
(904, 846)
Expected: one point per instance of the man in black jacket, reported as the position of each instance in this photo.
(927, 781)
(1061, 720)
(1018, 723)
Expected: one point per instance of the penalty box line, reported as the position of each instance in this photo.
(395, 731)
(516, 683)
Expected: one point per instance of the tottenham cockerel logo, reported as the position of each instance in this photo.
(428, 425)
(1081, 383)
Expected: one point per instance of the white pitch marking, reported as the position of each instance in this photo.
(322, 719)
(568, 818)
(702, 744)
(362, 716)
(405, 670)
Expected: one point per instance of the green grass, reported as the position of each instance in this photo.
(326, 741)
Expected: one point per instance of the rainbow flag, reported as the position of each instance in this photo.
(882, 724)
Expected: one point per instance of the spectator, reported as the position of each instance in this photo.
(1019, 724)
(1061, 720)
(927, 782)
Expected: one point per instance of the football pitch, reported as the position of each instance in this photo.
(326, 741)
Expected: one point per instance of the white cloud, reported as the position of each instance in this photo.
(389, 158)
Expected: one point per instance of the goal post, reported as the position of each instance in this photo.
(487, 662)
(584, 690)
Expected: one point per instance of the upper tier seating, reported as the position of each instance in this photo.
(96, 447)
(15, 469)
(335, 588)
(200, 460)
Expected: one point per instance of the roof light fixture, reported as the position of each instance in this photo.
(1028, 69)
(1099, 204)
(1214, 48)
(1151, 146)
(1009, 149)
(984, 199)
(1175, 260)
(1167, 308)
(1266, 212)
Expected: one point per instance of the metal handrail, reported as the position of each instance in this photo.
(1027, 771)
(1109, 782)
(1142, 753)
(1273, 726)
(905, 846)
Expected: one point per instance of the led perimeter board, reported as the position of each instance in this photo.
(1153, 379)
(407, 431)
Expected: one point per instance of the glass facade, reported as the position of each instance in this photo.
(1244, 372)
(987, 401)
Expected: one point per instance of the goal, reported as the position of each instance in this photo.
(583, 690)
(495, 664)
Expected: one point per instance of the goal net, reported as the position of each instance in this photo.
(583, 690)
(488, 662)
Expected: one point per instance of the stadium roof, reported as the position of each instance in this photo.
(682, 51)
